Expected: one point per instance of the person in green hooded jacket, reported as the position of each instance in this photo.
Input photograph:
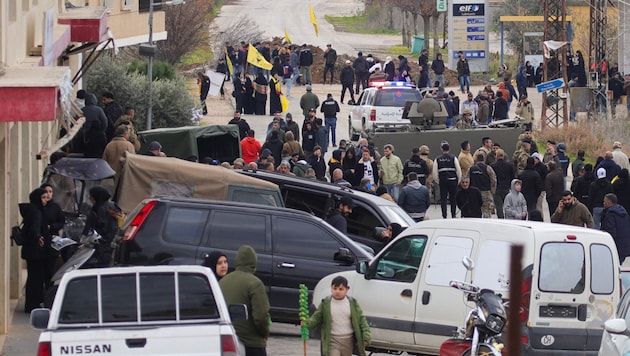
(342, 323)
(243, 287)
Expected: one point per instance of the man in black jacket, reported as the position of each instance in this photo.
(306, 61)
(330, 108)
(337, 217)
(347, 80)
(361, 71)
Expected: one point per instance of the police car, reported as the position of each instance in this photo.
(157, 310)
(380, 107)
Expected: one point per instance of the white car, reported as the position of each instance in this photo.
(156, 310)
(616, 337)
(380, 107)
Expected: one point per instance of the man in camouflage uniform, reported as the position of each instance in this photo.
(424, 155)
(519, 159)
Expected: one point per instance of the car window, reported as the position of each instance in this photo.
(622, 308)
(305, 239)
(196, 300)
(253, 195)
(363, 98)
(402, 259)
(602, 269)
(445, 260)
(396, 97)
(362, 221)
(231, 230)
(314, 203)
(118, 298)
(80, 302)
(561, 268)
(157, 297)
(185, 225)
(397, 214)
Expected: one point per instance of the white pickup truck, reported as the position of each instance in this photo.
(158, 310)
(380, 107)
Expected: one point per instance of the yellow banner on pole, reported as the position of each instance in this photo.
(287, 39)
(254, 57)
(229, 63)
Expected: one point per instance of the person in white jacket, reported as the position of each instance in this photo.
(514, 204)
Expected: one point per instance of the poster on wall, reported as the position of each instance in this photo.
(469, 22)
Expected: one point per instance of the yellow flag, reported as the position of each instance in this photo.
(287, 39)
(229, 63)
(254, 57)
(313, 19)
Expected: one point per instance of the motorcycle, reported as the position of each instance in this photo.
(82, 257)
(481, 333)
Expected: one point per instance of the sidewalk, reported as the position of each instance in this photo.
(21, 340)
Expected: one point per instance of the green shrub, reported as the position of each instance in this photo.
(171, 104)
(161, 69)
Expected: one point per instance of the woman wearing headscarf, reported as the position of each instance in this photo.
(217, 261)
(347, 165)
(55, 220)
(103, 218)
(35, 248)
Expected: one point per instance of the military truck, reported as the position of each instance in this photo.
(428, 127)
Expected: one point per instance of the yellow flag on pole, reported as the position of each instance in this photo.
(254, 57)
(287, 39)
(229, 63)
(313, 19)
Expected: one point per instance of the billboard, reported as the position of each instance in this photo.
(469, 24)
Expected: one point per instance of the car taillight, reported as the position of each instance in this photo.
(373, 115)
(228, 345)
(132, 229)
(526, 292)
(43, 349)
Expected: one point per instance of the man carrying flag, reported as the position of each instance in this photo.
(254, 57)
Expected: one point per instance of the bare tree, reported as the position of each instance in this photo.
(240, 29)
(187, 26)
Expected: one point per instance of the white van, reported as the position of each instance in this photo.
(157, 310)
(571, 283)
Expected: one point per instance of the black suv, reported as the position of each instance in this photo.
(293, 247)
(317, 198)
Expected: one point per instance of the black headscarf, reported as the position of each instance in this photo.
(100, 195)
(211, 259)
(35, 198)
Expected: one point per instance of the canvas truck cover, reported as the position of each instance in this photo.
(143, 177)
(221, 142)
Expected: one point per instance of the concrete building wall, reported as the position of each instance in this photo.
(21, 30)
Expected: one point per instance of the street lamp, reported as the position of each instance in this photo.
(150, 49)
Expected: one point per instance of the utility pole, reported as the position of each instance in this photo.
(554, 103)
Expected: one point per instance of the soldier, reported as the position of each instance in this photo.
(519, 159)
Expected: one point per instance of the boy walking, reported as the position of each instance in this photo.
(341, 321)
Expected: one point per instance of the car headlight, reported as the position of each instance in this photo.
(495, 323)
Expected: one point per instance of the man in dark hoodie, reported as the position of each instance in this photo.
(616, 222)
(532, 184)
(554, 186)
(347, 80)
(243, 287)
(92, 133)
(596, 193)
(361, 72)
(582, 183)
(414, 198)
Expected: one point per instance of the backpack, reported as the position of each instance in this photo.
(16, 235)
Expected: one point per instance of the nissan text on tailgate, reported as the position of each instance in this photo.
(157, 310)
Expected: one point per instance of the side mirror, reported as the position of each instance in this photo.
(39, 318)
(344, 255)
(616, 326)
(468, 263)
(238, 312)
(362, 267)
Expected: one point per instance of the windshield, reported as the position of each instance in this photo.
(396, 214)
(396, 98)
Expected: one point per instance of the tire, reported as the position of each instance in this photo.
(484, 350)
